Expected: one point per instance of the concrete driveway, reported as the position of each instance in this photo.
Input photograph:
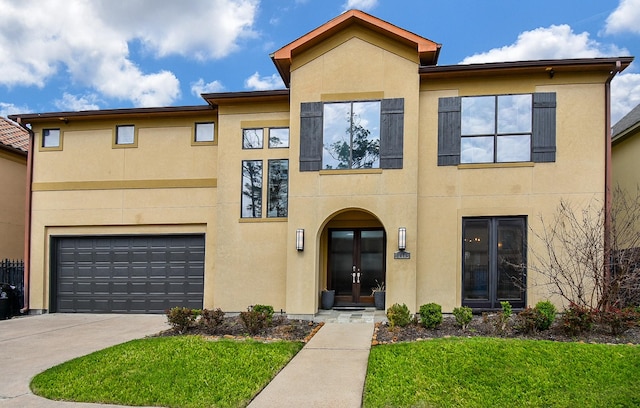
(30, 345)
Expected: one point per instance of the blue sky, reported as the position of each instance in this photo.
(60, 55)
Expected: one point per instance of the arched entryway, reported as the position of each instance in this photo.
(355, 259)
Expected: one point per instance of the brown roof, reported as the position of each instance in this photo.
(13, 136)
(626, 126)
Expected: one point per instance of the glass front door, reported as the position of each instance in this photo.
(356, 262)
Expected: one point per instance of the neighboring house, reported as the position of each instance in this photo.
(14, 144)
(375, 164)
(625, 138)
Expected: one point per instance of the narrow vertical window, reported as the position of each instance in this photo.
(204, 132)
(278, 188)
(278, 138)
(252, 138)
(251, 201)
(125, 135)
(51, 138)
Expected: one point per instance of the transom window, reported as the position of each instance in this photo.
(253, 138)
(51, 138)
(496, 129)
(351, 135)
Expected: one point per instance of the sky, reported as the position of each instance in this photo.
(71, 55)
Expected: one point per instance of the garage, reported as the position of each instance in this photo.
(126, 274)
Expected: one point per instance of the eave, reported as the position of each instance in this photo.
(226, 98)
(426, 49)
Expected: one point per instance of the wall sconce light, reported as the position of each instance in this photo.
(402, 238)
(300, 239)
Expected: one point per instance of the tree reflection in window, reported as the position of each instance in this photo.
(351, 135)
(278, 188)
(278, 138)
(251, 188)
(252, 138)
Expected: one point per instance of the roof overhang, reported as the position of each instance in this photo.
(427, 50)
(133, 113)
(216, 99)
(551, 67)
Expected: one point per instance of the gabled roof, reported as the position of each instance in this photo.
(426, 49)
(627, 126)
(13, 136)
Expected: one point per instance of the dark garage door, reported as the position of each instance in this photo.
(127, 274)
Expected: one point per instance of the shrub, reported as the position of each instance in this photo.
(398, 315)
(431, 315)
(503, 316)
(254, 320)
(528, 320)
(211, 319)
(577, 319)
(463, 316)
(266, 310)
(547, 314)
(619, 320)
(181, 318)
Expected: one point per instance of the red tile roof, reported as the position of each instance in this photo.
(13, 135)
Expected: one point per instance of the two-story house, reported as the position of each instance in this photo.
(375, 164)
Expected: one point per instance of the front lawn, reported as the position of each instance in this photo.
(492, 372)
(181, 371)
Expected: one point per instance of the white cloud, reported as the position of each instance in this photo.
(89, 42)
(71, 102)
(625, 95)
(625, 18)
(360, 4)
(199, 87)
(554, 42)
(258, 83)
(7, 109)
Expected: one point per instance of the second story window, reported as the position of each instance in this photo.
(204, 132)
(496, 129)
(125, 135)
(50, 138)
(252, 138)
(278, 138)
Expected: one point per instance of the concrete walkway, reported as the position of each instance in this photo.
(30, 345)
(328, 372)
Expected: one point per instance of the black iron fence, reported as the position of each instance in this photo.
(12, 273)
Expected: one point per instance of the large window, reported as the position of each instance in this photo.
(351, 135)
(277, 188)
(494, 262)
(496, 129)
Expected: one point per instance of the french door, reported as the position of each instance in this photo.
(494, 262)
(356, 261)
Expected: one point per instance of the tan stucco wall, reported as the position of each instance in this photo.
(13, 179)
(626, 171)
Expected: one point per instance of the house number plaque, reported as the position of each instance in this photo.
(402, 255)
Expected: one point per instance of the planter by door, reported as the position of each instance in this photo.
(378, 299)
(328, 297)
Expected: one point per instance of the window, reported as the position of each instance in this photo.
(494, 262)
(278, 188)
(125, 135)
(497, 129)
(251, 201)
(204, 132)
(278, 138)
(51, 138)
(252, 138)
(351, 135)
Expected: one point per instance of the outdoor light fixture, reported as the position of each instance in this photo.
(300, 239)
(402, 238)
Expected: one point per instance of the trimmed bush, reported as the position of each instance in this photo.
(398, 315)
(266, 310)
(619, 320)
(211, 319)
(181, 318)
(431, 315)
(547, 312)
(577, 319)
(254, 321)
(463, 316)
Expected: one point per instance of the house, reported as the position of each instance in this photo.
(625, 152)
(14, 142)
(375, 164)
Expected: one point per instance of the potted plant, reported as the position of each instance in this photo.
(328, 297)
(378, 293)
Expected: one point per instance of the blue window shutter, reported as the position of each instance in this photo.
(311, 136)
(543, 139)
(391, 133)
(449, 131)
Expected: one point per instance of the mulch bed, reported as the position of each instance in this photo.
(484, 326)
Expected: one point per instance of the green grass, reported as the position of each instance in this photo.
(178, 371)
(489, 372)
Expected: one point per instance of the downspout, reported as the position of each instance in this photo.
(27, 217)
(608, 180)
